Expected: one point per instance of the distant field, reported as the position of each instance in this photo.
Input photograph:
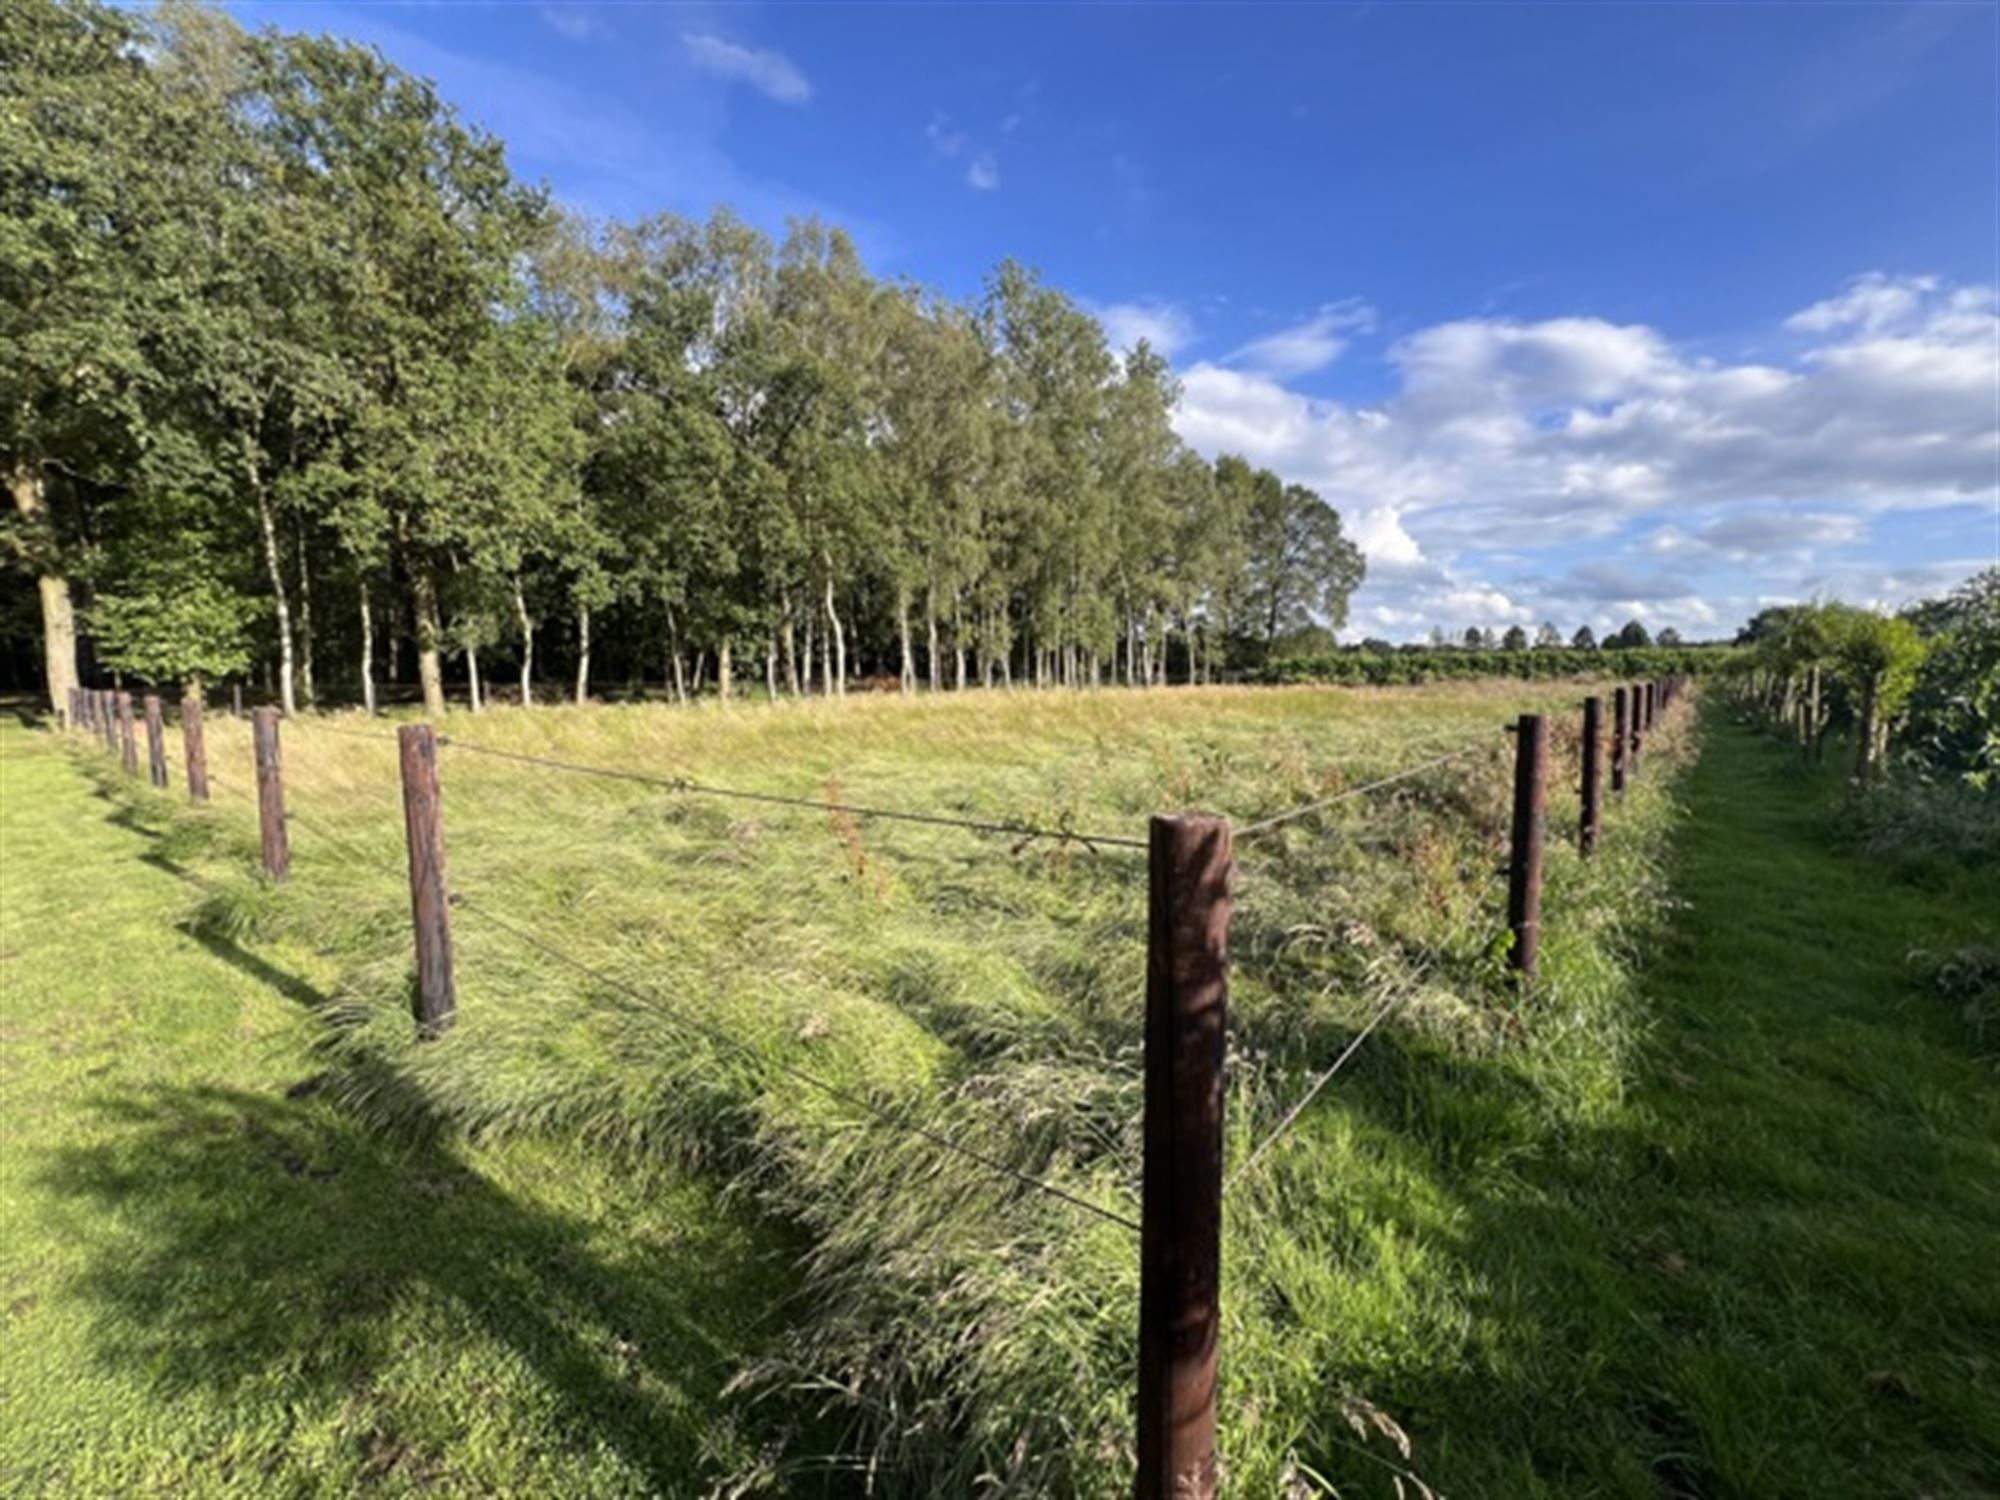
(585, 1245)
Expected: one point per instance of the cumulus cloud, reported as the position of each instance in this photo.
(1307, 346)
(1164, 325)
(770, 73)
(1597, 438)
(983, 172)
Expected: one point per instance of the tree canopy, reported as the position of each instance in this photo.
(300, 373)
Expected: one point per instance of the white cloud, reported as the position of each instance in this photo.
(983, 173)
(1872, 302)
(577, 22)
(770, 73)
(1164, 325)
(1519, 437)
(1307, 346)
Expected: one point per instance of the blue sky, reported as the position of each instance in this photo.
(1576, 312)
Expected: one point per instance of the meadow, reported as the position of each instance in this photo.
(961, 1329)
(648, 1251)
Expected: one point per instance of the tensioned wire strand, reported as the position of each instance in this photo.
(832, 1090)
(1277, 820)
(1291, 1116)
(852, 1100)
(1062, 832)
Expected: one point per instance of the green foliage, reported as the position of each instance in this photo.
(174, 628)
(277, 272)
(1416, 666)
(1952, 718)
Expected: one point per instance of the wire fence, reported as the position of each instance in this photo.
(1191, 864)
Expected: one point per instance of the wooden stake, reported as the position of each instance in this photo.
(196, 747)
(1619, 734)
(1180, 1241)
(1524, 866)
(1593, 772)
(156, 742)
(270, 794)
(436, 998)
(128, 742)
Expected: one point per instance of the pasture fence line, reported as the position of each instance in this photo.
(1190, 862)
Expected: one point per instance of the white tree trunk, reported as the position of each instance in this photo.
(367, 653)
(527, 624)
(725, 671)
(306, 689)
(281, 605)
(473, 694)
(909, 674)
(836, 640)
(582, 654)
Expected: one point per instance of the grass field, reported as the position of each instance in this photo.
(1719, 1229)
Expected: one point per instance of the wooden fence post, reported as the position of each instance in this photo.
(430, 903)
(107, 719)
(1524, 864)
(1619, 735)
(1593, 772)
(1638, 731)
(235, 700)
(128, 741)
(196, 747)
(156, 742)
(1180, 1240)
(270, 794)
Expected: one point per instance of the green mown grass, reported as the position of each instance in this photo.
(1708, 1213)
(214, 1281)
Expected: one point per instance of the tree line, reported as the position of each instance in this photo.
(1924, 681)
(300, 379)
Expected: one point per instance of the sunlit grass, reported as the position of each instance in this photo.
(966, 1330)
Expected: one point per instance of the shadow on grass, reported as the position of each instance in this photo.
(1768, 1269)
(270, 1249)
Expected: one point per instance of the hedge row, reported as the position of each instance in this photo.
(1382, 669)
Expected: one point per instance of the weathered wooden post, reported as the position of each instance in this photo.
(436, 997)
(156, 742)
(1180, 1240)
(107, 719)
(128, 741)
(1619, 735)
(270, 794)
(1524, 864)
(236, 700)
(1638, 731)
(196, 747)
(1593, 772)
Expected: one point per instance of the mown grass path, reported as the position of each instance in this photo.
(211, 1282)
(1807, 1266)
